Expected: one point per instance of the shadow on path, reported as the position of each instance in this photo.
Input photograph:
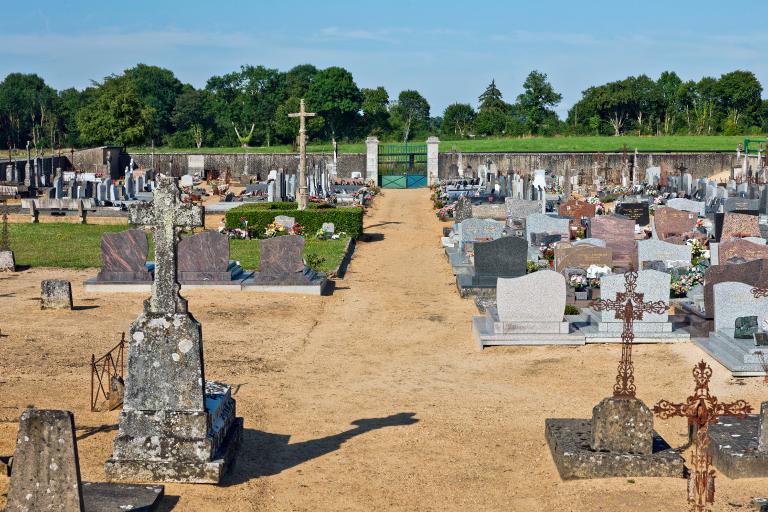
(265, 454)
(386, 223)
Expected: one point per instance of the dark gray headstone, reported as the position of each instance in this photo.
(505, 257)
(124, 257)
(635, 211)
(733, 204)
(281, 255)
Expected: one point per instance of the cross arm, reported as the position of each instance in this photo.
(666, 409)
(740, 408)
(607, 305)
(658, 307)
(189, 216)
(142, 214)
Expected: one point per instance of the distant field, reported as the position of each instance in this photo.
(79, 246)
(519, 145)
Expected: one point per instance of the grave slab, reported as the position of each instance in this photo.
(735, 445)
(569, 442)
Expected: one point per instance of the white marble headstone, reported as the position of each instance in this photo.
(536, 297)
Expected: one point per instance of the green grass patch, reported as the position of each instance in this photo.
(331, 252)
(79, 246)
(347, 220)
(557, 144)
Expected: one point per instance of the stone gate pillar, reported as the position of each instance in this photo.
(433, 151)
(372, 160)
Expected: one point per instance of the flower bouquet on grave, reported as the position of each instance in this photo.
(296, 229)
(698, 252)
(680, 286)
(446, 212)
(273, 230)
(578, 282)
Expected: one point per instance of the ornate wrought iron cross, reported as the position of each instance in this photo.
(701, 409)
(629, 306)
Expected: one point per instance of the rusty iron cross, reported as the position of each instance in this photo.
(629, 306)
(701, 409)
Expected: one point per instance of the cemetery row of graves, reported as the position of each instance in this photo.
(553, 260)
(175, 426)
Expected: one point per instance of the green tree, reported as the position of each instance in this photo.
(71, 101)
(245, 101)
(458, 119)
(739, 97)
(491, 121)
(667, 89)
(537, 100)
(28, 110)
(192, 118)
(157, 88)
(376, 111)
(287, 128)
(492, 98)
(410, 113)
(334, 95)
(115, 114)
(298, 80)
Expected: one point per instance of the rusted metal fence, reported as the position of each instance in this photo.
(103, 370)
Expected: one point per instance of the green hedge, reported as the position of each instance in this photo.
(349, 220)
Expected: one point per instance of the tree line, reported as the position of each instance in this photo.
(249, 107)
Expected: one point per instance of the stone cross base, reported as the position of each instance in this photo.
(622, 425)
(7, 262)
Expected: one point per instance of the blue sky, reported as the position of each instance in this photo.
(449, 51)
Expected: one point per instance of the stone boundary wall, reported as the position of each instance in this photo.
(700, 165)
(240, 164)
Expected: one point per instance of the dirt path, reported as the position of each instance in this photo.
(372, 399)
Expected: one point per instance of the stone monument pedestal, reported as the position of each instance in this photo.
(173, 427)
(619, 441)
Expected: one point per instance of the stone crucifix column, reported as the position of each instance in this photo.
(372, 160)
(433, 156)
(167, 216)
(302, 114)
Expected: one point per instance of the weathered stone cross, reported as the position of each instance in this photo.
(167, 216)
(701, 409)
(629, 306)
(302, 114)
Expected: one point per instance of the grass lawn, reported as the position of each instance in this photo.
(522, 145)
(79, 246)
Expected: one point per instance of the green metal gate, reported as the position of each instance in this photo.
(403, 165)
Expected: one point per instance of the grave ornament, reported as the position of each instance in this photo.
(701, 409)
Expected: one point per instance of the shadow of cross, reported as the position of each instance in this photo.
(701, 409)
(629, 306)
(167, 216)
